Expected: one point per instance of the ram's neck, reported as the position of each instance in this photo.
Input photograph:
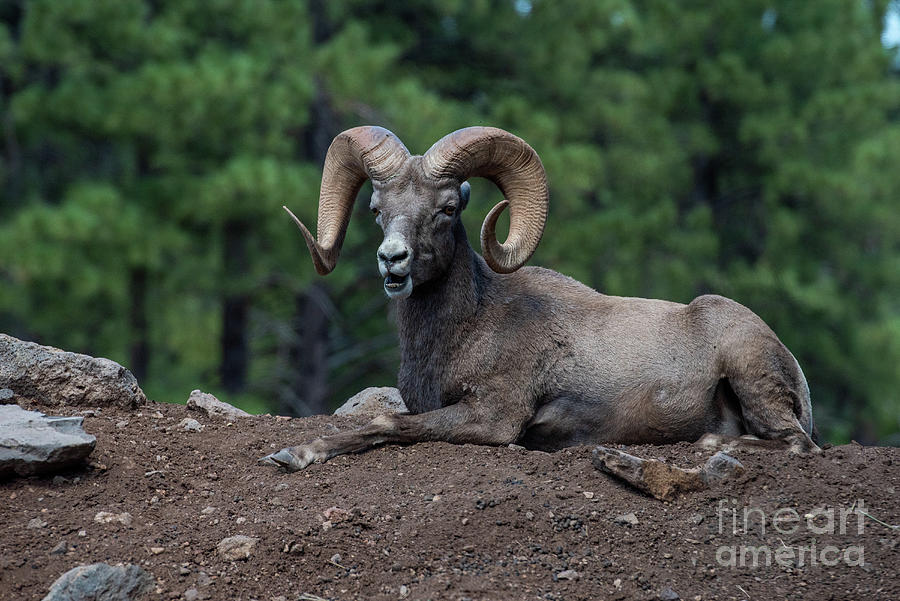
(432, 323)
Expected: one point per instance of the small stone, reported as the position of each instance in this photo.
(36, 523)
(404, 590)
(568, 575)
(372, 402)
(336, 515)
(336, 558)
(60, 548)
(588, 494)
(190, 424)
(236, 547)
(211, 406)
(191, 594)
(156, 550)
(208, 510)
(627, 518)
(464, 521)
(82, 533)
(721, 467)
(697, 519)
(6, 396)
(668, 594)
(617, 583)
(183, 571)
(107, 517)
(122, 423)
(529, 515)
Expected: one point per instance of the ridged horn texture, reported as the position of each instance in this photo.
(354, 156)
(516, 169)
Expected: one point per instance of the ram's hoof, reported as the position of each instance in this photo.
(284, 460)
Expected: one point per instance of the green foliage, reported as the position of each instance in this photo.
(741, 147)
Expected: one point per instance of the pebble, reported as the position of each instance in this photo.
(627, 518)
(404, 590)
(588, 494)
(668, 594)
(60, 548)
(190, 424)
(6, 395)
(236, 547)
(107, 517)
(208, 510)
(191, 594)
(568, 575)
(336, 558)
(36, 523)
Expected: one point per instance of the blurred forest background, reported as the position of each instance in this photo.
(745, 147)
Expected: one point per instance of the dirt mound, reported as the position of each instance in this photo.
(439, 521)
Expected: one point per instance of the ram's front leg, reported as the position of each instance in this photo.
(460, 423)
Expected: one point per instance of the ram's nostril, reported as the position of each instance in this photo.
(393, 257)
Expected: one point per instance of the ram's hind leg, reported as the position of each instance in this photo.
(773, 395)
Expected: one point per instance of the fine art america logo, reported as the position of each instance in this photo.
(756, 523)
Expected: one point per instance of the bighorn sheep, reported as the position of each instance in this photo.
(494, 354)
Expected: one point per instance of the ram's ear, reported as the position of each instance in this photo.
(464, 191)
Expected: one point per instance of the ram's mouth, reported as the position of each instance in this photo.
(398, 286)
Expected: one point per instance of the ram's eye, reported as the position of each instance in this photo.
(375, 211)
(449, 210)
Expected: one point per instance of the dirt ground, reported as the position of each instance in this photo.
(439, 521)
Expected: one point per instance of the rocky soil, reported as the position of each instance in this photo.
(437, 521)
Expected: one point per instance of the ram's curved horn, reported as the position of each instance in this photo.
(516, 169)
(355, 155)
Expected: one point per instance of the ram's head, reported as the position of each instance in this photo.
(417, 201)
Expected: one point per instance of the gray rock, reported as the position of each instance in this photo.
(101, 582)
(6, 396)
(190, 424)
(721, 467)
(372, 402)
(627, 518)
(211, 406)
(34, 443)
(668, 594)
(55, 377)
(236, 547)
(568, 575)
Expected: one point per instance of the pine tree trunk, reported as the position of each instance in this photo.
(139, 354)
(236, 305)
